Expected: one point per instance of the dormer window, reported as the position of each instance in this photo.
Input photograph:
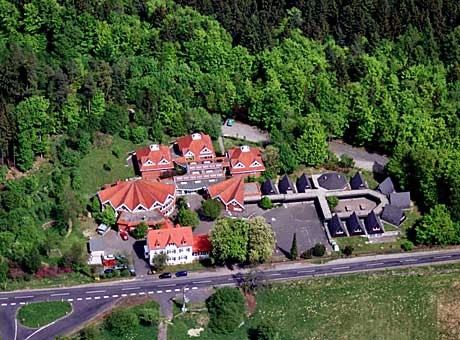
(245, 148)
(196, 136)
(163, 161)
(205, 150)
(255, 164)
(149, 162)
(239, 165)
(154, 147)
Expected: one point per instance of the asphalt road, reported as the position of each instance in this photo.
(151, 286)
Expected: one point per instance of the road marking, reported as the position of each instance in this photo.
(150, 292)
(194, 287)
(306, 271)
(3, 298)
(15, 328)
(115, 296)
(274, 274)
(22, 303)
(142, 293)
(97, 297)
(374, 264)
(443, 257)
(159, 291)
(226, 284)
(186, 289)
(124, 295)
(60, 294)
(131, 288)
(171, 285)
(88, 298)
(230, 279)
(79, 299)
(24, 297)
(205, 281)
(339, 268)
(106, 296)
(132, 294)
(177, 290)
(70, 300)
(13, 304)
(38, 330)
(95, 291)
(168, 290)
(4, 304)
(410, 260)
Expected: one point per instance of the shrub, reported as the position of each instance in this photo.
(407, 245)
(140, 231)
(294, 252)
(149, 316)
(346, 161)
(348, 250)
(306, 254)
(211, 208)
(263, 331)
(159, 261)
(319, 250)
(138, 134)
(125, 273)
(332, 201)
(108, 216)
(187, 217)
(226, 309)
(120, 322)
(266, 203)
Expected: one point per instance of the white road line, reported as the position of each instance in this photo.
(230, 279)
(3, 298)
(168, 290)
(131, 288)
(172, 285)
(13, 304)
(159, 291)
(97, 297)
(22, 303)
(133, 294)
(124, 295)
(205, 281)
(177, 290)
(106, 296)
(24, 297)
(305, 271)
(226, 284)
(443, 257)
(79, 299)
(88, 298)
(274, 274)
(115, 296)
(142, 293)
(15, 328)
(95, 291)
(374, 264)
(70, 300)
(4, 304)
(150, 292)
(410, 260)
(186, 289)
(339, 268)
(194, 288)
(60, 294)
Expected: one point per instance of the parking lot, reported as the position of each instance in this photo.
(299, 218)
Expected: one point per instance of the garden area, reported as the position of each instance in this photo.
(39, 314)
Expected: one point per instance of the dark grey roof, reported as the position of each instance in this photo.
(400, 199)
(354, 225)
(335, 227)
(358, 182)
(303, 183)
(268, 188)
(285, 185)
(387, 187)
(373, 224)
(393, 215)
(332, 181)
(193, 186)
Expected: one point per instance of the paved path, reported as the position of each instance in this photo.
(363, 159)
(89, 300)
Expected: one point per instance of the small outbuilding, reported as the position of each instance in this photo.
(285, 185)
(400, 199)
(373, 224)
(332, 181)
(335, 227)
(386, 187)
(354, 225)
(268, 188)
(303, 183)
(358, 182)
(393, 215)
(96, 247)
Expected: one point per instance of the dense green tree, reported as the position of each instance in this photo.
(149, 316)
(263, 331)
(266, 203)
(108, 216)
(187, 217)
(227, 309)
(261, 240)
(229, 239)
(211, 208)
(437, 227)
(159, 261)
(121, 322)
(140, 231)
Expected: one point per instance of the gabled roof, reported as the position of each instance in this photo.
(201, 243)
(358, 182)
(303, 183)
(196, 143)
(373, 224)
(268, 188)
(335, 226)
(134, 194)
(354, 225)
(386, 187)
(231, 190)
(332, 181)
(400, 199)
(245, 159)
(393, 215)
(154, 157)
(160, 238)
(285, 185)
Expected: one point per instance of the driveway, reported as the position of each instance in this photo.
(245, 132)
(299, 218)
(363, 159)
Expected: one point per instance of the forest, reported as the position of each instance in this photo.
(384, 74)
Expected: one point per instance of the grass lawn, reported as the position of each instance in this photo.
(360, 246)
(62, 280)
(418, 303)
(92, 165)
(38, 314)
(231, 142)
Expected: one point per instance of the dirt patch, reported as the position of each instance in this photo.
(195, 332)
(250, 302)
(448, 308)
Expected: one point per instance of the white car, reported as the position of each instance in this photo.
(102, 229)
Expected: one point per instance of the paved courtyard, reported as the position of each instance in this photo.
(244, 131)
(299, 218)
(354, 204)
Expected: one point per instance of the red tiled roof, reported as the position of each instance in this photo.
(154, 154)
(159, 239)
(131, 194)
(195, 143)
(230, 190)
(201, 243)
(246, 156)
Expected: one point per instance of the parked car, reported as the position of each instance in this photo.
(120, 258)
(165, 276)
(124, 235)
(181, 273)
(108, 271)
(120, 267)
(132, 271)
(102, 229)
(230, 122)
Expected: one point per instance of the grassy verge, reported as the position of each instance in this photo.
(199, 265)
(39, 314)
(361, 246)
(419, 303)
(63, 280)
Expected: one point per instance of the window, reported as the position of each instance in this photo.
(181, 250)
(188, 249)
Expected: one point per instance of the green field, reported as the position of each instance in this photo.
(410, 304)
(38, 314)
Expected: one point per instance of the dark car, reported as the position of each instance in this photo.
(108, 271)
(165, 276)
(181, 273)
